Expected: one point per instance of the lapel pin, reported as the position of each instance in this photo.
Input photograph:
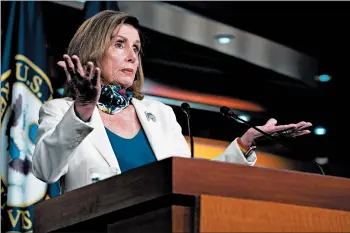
(150, 116)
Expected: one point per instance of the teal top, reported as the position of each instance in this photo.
(131, 153)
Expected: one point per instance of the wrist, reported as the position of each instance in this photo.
(247, 139)
(246, 150)
(83, 112)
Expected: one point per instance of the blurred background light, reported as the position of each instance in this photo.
(224, 39)
(323, 78)
(60, 91)
(320, 130)
(243, 117)
(322, 160)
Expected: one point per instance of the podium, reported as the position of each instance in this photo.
(197, 195)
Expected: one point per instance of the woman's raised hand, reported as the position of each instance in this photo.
(86, 83)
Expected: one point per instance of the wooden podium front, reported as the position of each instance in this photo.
(196, 195)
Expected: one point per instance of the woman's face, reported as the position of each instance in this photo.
(120, 61)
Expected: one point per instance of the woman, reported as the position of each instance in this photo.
(105, 122)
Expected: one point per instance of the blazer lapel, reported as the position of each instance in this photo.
(151, 127)
(100, 140)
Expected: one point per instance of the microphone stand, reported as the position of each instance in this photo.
(185, 108)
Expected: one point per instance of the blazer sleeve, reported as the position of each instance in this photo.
(232, 153)
(180, 146)
(59, 134)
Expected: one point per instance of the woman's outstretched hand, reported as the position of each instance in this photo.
(271, 127)
(85, 82)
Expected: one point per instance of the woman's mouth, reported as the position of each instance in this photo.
(127, 71)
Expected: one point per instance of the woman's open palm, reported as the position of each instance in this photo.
(85, 82)
(289, 130)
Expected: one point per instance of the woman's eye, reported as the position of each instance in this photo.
(136, 49)
(119, 44)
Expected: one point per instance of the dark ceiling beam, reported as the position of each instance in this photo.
(178, 22)
(189, 26)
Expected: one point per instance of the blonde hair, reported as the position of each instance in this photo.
(93, 38)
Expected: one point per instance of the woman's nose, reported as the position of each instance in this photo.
(131, 56)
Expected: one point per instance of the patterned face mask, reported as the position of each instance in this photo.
(114, 99)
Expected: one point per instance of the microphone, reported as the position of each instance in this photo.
(185, 107)
(227, 112)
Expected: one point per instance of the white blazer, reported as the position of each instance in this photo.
(68, 147)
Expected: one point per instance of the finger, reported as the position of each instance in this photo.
(96, 79)
(63, 65)
(90, 70)
(303, 126)
(280, 128)
(69, 65)
(300, 124)
(271, 122)
(300, 133)
(290, 129)
(77, 65)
